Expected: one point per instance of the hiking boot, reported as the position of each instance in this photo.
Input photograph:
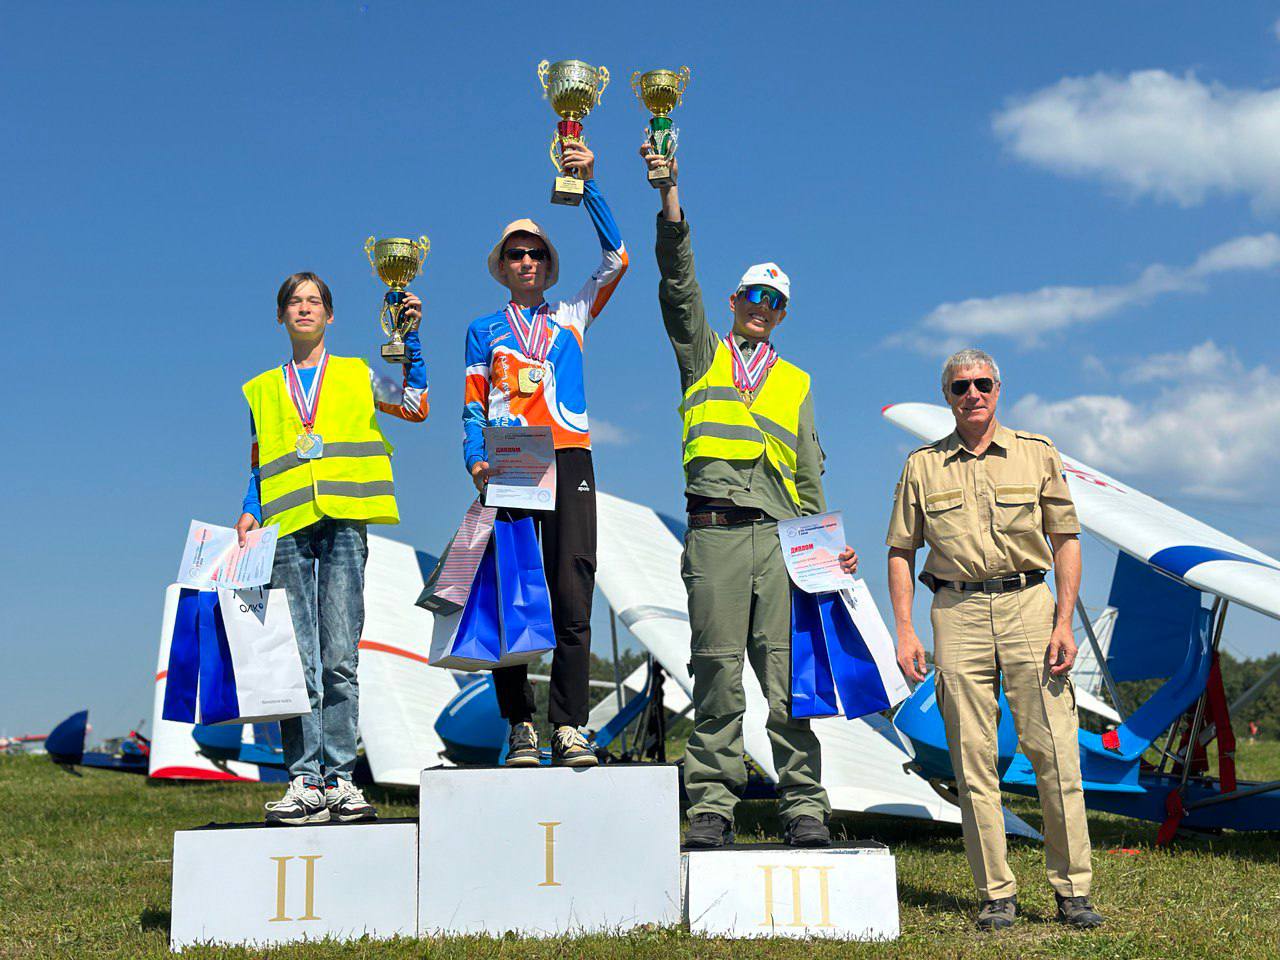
(998, 914)
(301, 804)
(708, 830)
(347, 804)
(1077, 912)
(522, 746)
(569, 748)
(806, 831)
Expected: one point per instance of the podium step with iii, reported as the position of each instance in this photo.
(770, 890)
(547, 851)
(253, 884)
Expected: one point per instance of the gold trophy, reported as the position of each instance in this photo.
(661, 92)
(396, 261)
(573, 87)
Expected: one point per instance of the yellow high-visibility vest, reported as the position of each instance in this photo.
(718, 424)
(352, 481)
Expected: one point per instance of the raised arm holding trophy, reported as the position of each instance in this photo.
(573, 88)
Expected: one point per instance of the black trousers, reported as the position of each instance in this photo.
(568, 536)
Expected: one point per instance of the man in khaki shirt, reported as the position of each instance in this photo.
(985, 498)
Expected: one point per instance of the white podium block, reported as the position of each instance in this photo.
(254, 884)
(548, 850)
(771, 890)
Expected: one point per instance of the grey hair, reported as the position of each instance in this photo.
(969, 357)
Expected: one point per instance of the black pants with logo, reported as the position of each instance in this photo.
(568, 536)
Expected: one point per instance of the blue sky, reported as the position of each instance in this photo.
(1088, 191)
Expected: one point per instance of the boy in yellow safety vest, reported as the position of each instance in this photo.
(751, 458)
(321, 471)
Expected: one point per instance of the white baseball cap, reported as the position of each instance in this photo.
(767, 275)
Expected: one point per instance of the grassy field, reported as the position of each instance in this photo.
(84, 872)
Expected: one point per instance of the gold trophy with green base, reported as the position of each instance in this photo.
(661, 92)
(573, 88)
(396, 261)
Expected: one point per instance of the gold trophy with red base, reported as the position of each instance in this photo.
(573, 88)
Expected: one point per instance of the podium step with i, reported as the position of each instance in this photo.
(548, 851)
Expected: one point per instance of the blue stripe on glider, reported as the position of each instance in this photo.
(1178, 560)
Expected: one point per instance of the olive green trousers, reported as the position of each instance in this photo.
(740, 608)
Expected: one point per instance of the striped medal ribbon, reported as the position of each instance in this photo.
(749, 374)
(534, 337)
(310, 445)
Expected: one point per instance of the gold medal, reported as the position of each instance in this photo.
(526, 381)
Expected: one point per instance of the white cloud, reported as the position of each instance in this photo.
(606, 433)
(1152, 133)
(1028, 316)
(1203, 360)
(1215, 433)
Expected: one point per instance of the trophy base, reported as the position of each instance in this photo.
(660, 176)
(567, 190)
(394, 352)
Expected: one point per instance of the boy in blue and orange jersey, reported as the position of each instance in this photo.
(506, 386)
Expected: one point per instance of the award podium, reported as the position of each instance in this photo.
(539, 852)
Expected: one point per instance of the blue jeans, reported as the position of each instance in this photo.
(321, 569)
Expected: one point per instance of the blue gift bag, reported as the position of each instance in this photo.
(199, 663)
(479, 633)
(524, 606)
(813, 691)
(857, 676)
(183, 676)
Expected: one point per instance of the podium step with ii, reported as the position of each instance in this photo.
(253, 884)
(770, 890)
(547, 851)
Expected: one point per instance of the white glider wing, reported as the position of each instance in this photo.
(1154, 532)
(400, 696)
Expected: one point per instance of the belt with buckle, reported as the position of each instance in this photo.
(1017, 581)
(727, 517)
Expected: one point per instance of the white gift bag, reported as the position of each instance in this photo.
(265, 663)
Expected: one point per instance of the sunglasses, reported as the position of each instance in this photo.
(764, 295)
(516, 254)
(960, 387)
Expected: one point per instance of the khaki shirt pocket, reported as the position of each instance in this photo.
(1017, 508)
(944, 518)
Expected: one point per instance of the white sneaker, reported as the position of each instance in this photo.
(347, 804)
(301, 804)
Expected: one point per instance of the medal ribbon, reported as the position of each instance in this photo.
(748, 374)
(306, 402)
(534, 337)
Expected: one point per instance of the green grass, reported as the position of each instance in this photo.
(84, 872)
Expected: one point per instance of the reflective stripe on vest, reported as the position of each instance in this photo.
(719, 425)
(352, 481)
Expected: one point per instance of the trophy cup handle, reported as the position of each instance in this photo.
(635, 83)
(603, 74)
(555, 155)
(368, 252)
(424, 247)
(543, 69)
(682, 83)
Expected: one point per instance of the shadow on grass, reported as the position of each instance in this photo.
(152, 919)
